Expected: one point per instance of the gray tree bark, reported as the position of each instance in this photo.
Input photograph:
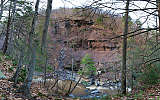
(158, 8)
(5, 45)
(45, 30)
(16, 74)
(72, 77)
(35, 18)
(27, 84)
(2, 5)
(123, 76)
(46, 64)
(10, 18)
(11, 35)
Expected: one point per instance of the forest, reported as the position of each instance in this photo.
(79, 50)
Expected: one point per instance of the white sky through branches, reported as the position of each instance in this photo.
(142, 16)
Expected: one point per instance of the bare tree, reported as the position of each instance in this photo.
(10, 18)
(2, 7)
(5, 45)
(11, 31)
(15, 76)
(26, 86)
(45, 30)
(123, 76)
(158, 8)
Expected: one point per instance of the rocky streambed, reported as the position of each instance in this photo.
(84, 89)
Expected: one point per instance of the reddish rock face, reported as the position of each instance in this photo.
(85, 37)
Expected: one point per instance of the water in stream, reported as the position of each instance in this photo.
(85, 91)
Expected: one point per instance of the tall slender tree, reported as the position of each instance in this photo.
(10, 18)
(123, 76)
(2, 7)
(11, 31)
(16, 74)
(5, 45)
(46, 24)
(27, 84)
(158, 8)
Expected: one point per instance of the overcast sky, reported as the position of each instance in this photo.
(63, 3)
(75, 3)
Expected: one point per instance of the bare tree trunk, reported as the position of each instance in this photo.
(11, 39)
(27, 83)
(158, 8)
(2, 5)
(76, 84)
(35, 18)
(156, 30)
(132, 67)
(15, 76)
(123, 76)
(72, 77)
(45, 30)
(5, 45)
(45, 70)
(10, 18)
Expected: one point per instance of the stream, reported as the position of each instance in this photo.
(84, 89)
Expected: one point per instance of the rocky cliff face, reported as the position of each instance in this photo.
(79, 36)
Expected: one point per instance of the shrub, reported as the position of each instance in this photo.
(89, 67)
(22, 75)
(38, 69)
(49, 69)
(85, 83)
(150, 75)
(8, 57)
(99, 20)
(14, 62)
